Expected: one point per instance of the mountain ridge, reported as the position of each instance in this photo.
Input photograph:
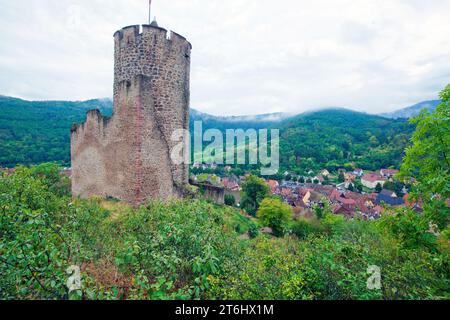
(106, 104)
(32, 132)
(412, 111)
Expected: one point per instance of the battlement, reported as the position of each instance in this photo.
(134, 34)
(94, 115)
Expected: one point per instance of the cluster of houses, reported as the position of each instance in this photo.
(303, 198)
(371, 180)
(7, 170)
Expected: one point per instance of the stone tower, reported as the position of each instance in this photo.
(127, 156)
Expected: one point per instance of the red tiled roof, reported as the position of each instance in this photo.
(286, 192)
(345, 201)
(273, 184)
(335, 195)
(378, 209)
(389, 171)
(412, 203)
(372, 177)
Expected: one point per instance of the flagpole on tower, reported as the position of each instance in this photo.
(149, 11)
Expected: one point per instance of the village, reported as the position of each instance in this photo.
(349, 193)
(352, 194)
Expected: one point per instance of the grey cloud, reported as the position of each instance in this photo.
(249, 57)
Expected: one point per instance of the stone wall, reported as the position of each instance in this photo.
(127, 156)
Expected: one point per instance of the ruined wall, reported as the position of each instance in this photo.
(210, 192)
(127, 156)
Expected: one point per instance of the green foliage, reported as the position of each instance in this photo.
(428, 161)
(334, 267)
(254, 190)
(323, 209)
(158, 252)
(378, 188)
(191, 250)
(34, 249)
(302, 228)
(230, 200)
(342, 138)
(241, 224)
(411, 228)
(275, 214)
(36, 132)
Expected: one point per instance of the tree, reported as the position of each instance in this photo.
(275, 214)
(322, 210)
(254, 190)
(230, 200)
(358, 185)
(301, 179)
(341, 177)
(428, 160)
(378, 188)
(350, 187)
(389, 185)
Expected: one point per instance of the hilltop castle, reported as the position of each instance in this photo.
(127, 156)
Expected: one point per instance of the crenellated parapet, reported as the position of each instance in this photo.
(151, 51)
(136, 33)
(94, 118)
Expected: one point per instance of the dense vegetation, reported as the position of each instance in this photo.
(193, 250)
(36, 132)
(342, 138)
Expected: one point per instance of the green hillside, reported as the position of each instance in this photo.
(338, 137)
(191, 249)
(36, 132)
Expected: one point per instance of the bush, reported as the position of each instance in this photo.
(275, 214)
(156, 252)
(230, 200)
(254, 190)
(302, 228)
(189, 250)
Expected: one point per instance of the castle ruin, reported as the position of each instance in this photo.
(127, 156)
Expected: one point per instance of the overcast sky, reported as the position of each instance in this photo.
(249, 56)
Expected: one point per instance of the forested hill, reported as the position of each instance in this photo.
(35, 132)
(39, 131)
(342, 138)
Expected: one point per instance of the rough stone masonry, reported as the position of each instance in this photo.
(127, 156)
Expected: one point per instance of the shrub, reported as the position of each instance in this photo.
(230, 200)
(254, 190)
(302, 228)
(275, 214)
